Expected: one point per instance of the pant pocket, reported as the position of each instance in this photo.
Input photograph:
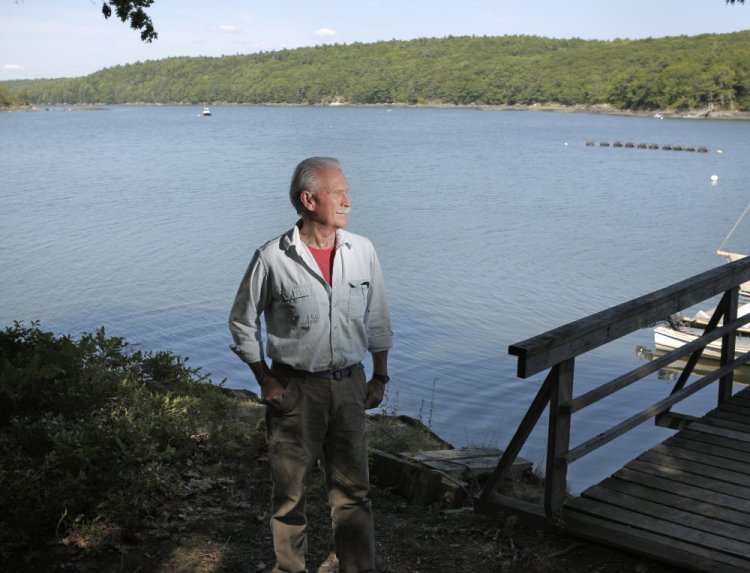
(290, 400)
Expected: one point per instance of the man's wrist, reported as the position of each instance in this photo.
(384, 378)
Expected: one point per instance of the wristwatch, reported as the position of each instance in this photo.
(384, 378)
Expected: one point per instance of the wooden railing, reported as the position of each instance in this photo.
(557, 350)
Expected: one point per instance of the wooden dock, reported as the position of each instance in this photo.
(685, 501)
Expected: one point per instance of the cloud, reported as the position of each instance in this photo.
(229, 29)
(12, 67)
(325, 33)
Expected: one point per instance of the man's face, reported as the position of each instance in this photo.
(331, 204)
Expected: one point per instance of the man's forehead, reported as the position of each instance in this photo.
(334, 179)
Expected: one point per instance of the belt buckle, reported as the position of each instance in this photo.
(339, 374)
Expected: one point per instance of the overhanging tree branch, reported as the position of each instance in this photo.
(133, 10)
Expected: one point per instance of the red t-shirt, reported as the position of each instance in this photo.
(324, 258)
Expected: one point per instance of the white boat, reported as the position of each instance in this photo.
(703, 367)
(702, 317)
(206, 112)
(666, 338)
(731, 257)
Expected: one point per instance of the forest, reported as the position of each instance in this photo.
(672, 73)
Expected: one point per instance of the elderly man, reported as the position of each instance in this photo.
(321, 292)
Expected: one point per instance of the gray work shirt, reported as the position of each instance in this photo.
(310, 325)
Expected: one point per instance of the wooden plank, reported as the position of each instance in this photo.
(735, 408)
(455, 454)
(669, 514)
(742, 395)
(412, 480)
(722, 432)
(741, 492)
(687, 556)
(697, 468)
(742, 418)
(705, 459)
(703, 447)
(710, 438)
(476, 467)
(479, 462)
(679, 502)
(685, 491)
(741, 401)
(655, 525)
(731, 416)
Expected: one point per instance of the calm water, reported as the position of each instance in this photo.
(491, 226)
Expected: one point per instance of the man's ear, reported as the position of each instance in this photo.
(308, 200)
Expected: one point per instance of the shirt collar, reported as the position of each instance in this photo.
(292, 239)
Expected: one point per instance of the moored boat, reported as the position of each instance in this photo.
(666, 338)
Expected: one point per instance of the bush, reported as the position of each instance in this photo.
(93, 431)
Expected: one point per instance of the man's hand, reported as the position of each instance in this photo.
(271, 391)
(375, 393)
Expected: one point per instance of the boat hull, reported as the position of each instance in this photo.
(666, 338)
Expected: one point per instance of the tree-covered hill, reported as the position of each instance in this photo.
(666, 73)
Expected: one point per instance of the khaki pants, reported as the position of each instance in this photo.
(321, 418)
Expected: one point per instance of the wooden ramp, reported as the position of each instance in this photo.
(685, 501)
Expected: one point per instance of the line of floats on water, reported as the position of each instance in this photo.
(665, 147)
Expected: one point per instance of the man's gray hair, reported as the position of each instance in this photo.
(307, 178)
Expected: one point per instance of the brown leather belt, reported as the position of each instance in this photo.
(324, 374)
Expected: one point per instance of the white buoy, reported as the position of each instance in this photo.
(714, 178)
(719, 151)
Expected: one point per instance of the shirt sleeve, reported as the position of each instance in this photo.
(245, 317)
(379, 334)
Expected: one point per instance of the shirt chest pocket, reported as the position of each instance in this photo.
(359, 291)
(300, 306)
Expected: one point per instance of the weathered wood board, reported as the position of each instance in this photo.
(433, 475)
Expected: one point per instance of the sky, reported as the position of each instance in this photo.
(71, 38)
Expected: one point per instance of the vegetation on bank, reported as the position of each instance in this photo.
(95, 435)
(665, 73)
(104, 445)
(7, 100)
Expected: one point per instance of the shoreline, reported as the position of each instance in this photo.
(604, 109)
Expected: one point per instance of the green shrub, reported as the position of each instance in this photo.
(91, 430)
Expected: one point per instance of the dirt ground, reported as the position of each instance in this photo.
(221, 525)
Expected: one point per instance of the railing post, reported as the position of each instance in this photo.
(731, 302)
(558, 438)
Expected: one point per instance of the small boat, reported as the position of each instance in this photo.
(701, 368)
(730, 256)
(701, 318)
(666, 338)
(206, 112)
